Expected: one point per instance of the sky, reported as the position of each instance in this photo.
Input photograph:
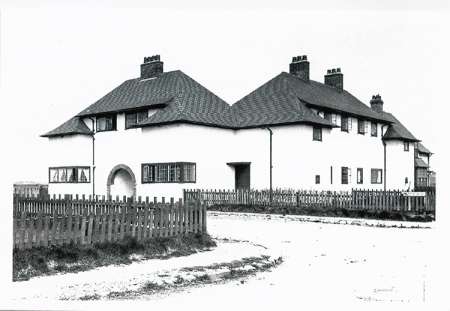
(57, 60)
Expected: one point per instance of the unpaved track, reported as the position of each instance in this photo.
(323, 264)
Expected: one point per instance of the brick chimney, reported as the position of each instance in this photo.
(335, 78)
(300, 67)
(152, 67)
(376, 103)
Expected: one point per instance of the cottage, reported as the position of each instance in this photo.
(163, 131)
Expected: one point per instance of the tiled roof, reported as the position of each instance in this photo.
(183, 96)
(397, 130)
(319, 94)
(274, 103)
(190, 102)
(286, 99)
(418, 162)
(73, 126)
(421, 148)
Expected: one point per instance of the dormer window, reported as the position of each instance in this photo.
(106, 123)
(133, 118)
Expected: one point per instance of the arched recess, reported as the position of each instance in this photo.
(112, 174)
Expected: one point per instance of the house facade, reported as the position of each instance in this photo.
(163, 131)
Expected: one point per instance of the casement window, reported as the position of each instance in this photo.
(317, 179)
(361, 127)
(359, 176)
(133, 118)
(334, 118)
(317, 133)
(345, 175)
(373, 129)
(106, 123)
(376, 176)
(346, 123)
(176, 172)
(69, 174)
(406, 145)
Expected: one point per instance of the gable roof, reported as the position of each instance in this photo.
(287, 99)
(421, 149)
(397, 130)
(72, 126)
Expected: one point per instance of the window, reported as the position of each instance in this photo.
(317, 133)
(346, 124)
(69, 174)
(177, 172)
(317, 179)
(376, 176)
(359, 175)
(334, 118)
(373, 129)
(406, 145)
(327, 116)
(344, 175)
(106, 123)
(134, 118)
(361, 126)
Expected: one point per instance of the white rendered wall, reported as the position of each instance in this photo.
(297, 158)
(399, 165)
(71, 150)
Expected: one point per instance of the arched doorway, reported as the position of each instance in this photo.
(121, 181)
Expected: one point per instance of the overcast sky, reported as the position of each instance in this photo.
(55, 61)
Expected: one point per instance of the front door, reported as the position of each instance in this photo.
(242, 176)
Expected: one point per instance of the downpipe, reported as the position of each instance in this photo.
(93, 156)
(384, 157)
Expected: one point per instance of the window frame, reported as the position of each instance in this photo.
(76, 168)
(346, 168)
(372, 171)
(406, 146)
(359, 173)
(345, 128)
(113, 118)
(179, 168)
(361, 127)
(373, 125)
(136, 114)
(317, 129)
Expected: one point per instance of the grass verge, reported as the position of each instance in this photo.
(326, 212)
(73, 258)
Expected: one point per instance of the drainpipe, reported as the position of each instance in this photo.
(271, 166)
(93, 156)
(384, 157)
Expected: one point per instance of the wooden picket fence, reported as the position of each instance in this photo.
(79, 220)
(356, 199)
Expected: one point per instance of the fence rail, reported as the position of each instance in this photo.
(58, 221)
(356, 199)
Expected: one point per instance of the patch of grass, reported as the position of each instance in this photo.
(327, 212)
(73, 258)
